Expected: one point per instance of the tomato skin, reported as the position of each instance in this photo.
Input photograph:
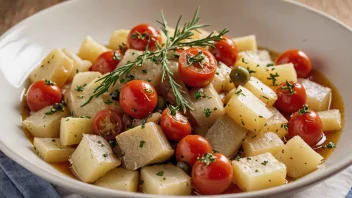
(214, 178)
(299, 59)
(194, 75)
(138, 98)
(140, 43)
(175, 127)
(225, 51)
(107, 118)
(290, 102)
(191, 147)
(308, 126)
(106, 62)
(41, 94)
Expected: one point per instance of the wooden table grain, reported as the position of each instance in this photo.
(13, 11)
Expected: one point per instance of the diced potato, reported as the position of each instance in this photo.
(331, 119)
(278, 74)
(252, 62)
(263, 92)
(72, 129)
(201, 130)
(118, 37)
(57, 66)
(51, 150)
(45, 126)
(165, 179)
(83, 78)
(143, 146)
(93, 158)
(218, 81)
(247, 110)
(206, 110)
(259, 144)
(120, 179)
(246, 43)
(90, 49)
(258, 172)
(299, 158)
(154, 117)
(225, 71)
(228, 96)
(79, 65)
(276, 123)
(318, 97)
(225, 136)
(265, 57)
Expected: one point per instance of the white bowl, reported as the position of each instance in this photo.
(279, 25)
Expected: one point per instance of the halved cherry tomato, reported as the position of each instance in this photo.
(139, 36)
(108, 124)
(138, 98)
(212, 174)
(174, 125)
(197, 67)
(107, 61)
(191, 147)
(299, 59)
(43, 93)
(291, 96)
(225, 51)
(306, 124)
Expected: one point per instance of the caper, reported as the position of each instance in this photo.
(185, 167)
(239, 75)
(160, 105)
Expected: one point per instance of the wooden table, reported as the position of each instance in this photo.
(13, 11)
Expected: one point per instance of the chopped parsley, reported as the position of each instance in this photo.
(244, 61)
(80, 88)
(329, 145)
(198, 58)
(265, 97)
(250, 71)
(270, 65)
(141, 143)
(207, 112)
(57, 107)
(239, 92)
(237, 158)
(160, 173)
(200, 94)
(273, 78)
(105, 154)
(264, 163)
(144, 71)
(108, 102)
(207, 158)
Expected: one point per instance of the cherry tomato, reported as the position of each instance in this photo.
(197, 67)
(225, 51)
(191, 147)
(43, 93)
(139, 36)
(107, 62)
(108, 124)
(174, 125)
(306, 124)
(138, 98)
(212, 174)
(299, 59)
(291, 96)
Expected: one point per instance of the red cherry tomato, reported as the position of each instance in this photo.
(306, 124)
(191, 147)
(108, 124)
(139, 36)
(197, 67)
(291, 96)
(213, 178)
(107, 62)
(299, 59)
(225, 51)
(174, 125)
(43, 93)
(138, 98)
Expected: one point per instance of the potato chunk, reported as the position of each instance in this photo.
(247, 110)
(261, 91)
(120, 179)
(51, 150)
(118, 37)
(45, 126)
(93, 158)
(246, 43)
(225, 136)
(207, 105)
(259, 172)
(90, 49)
(278, 74)
(227, 84)
(318, 97)
(259, 144)
(331, 119)
(252, 62)
(79, 65)
(72, 129)
(277, 123)
(143, 146)
(299, 158)
(165, 179)
(57, 66)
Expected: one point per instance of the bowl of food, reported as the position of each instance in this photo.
(129, 99)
